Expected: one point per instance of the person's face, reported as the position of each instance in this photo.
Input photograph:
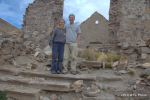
(71, 19)
(61, 23)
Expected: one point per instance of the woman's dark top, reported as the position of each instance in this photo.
(59, 35)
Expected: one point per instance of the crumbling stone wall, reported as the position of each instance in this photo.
(130, 27)
(40, 18)
(130, 20)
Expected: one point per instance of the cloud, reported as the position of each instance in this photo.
(13, 10)
(84, 8)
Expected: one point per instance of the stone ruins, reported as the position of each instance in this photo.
(116, 66)
(40, 18)
(94, 31)
(129, 21)
(130, 26)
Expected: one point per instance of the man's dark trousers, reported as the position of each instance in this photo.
(57, 56)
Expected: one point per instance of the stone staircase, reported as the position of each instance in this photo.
(31, 85)
(27, 85)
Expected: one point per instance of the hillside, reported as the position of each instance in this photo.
(8, 29)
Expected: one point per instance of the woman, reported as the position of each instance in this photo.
(58, 43)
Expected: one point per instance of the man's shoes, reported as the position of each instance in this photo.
(64, 71)
(73, 72)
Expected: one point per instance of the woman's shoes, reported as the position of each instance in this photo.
(58, 72)
(53, 72)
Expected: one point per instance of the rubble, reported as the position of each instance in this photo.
(40, 56)
(53, 97)
(22, 61)
(44, 98)
(48, 50)
(145, 65)
(92, 91)
(77, 86)
(145, 73)
(30, 47)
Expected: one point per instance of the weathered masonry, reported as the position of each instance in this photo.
(39, 19)
(130, 21)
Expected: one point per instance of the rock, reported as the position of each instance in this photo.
(123, 72)
(144, 56)
(40, 56)
(145, 65)
(115, 64)
(31, 66)
(22, 61)
(69, 96)
(131, 71)
(125, 45)
(48, 51)
(148, 78)
(30, 47)
(119, 44)
(1, 42)
(148, 43)
(141, 43)
(77, 85)
(145, 73)
(35, 33)
(36, 54)
(53, 97)
(44, 98)
(92, 91)
(145, 50)
(106, 96)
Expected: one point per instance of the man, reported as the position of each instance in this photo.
(71, 47)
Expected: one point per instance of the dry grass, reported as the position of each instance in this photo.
(89, 54)
(131, 71)
(107, 58)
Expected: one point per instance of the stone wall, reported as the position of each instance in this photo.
(130, 20)
(94, 31)
(129, 24)
(40, 18)
(130, 27)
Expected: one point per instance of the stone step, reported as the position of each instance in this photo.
(64, 77)
(109, 78)
(84, 77)
(46, 75)
(19, 92)
(37, 83)
(101, 96)
(90, 64)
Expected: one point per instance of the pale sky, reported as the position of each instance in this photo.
(85, 8)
